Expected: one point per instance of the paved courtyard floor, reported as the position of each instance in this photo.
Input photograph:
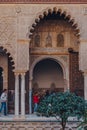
(31, 117)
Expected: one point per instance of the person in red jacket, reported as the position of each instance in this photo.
(35, 101)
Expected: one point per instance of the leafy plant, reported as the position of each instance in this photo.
(83, 124)
(62, 105)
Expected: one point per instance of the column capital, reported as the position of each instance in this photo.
(20, 72)
(16, 73)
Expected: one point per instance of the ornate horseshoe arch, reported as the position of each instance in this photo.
(59, 60)
(67, 16)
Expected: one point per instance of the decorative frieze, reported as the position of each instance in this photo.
(44, 1)
(54, 34)
(48, 50)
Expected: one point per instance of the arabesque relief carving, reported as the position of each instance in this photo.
(7, 31)
(8, 34)
(37, 40)
(54, 34)
(60, 40)
(48, 40)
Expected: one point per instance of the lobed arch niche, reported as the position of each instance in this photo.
(55, 28)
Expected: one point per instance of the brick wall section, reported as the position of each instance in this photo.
(76, 77)
(45, 1)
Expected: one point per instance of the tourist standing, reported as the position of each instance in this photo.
(35, 101)
(3, 99)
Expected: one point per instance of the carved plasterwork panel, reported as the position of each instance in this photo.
(65, 58)
(48, 51)
(56, 34)
(37, 40)
(60, 40)
(8, 34)
(82, 56)
(23, 56)
(48, 40)
(33, 58)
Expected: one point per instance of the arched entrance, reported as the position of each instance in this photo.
(7, 79)
(47, 73)
(55, 34)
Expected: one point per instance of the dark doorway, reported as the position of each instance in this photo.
(1, 80)
(46, 73)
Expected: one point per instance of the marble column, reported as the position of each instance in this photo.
(65, 85)
(23, 94)
(16, 94)
(30, 96)
(85, 85)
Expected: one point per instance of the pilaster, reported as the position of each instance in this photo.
(23, 95)
(85, 85)
(16, 95)
(30, 95)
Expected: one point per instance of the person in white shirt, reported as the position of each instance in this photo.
(3, 101)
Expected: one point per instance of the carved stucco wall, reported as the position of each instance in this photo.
(82, 56)
(16, 22)
(52, 29)
(8, 34)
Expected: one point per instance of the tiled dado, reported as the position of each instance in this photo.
(44, 1)
(35, 126)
